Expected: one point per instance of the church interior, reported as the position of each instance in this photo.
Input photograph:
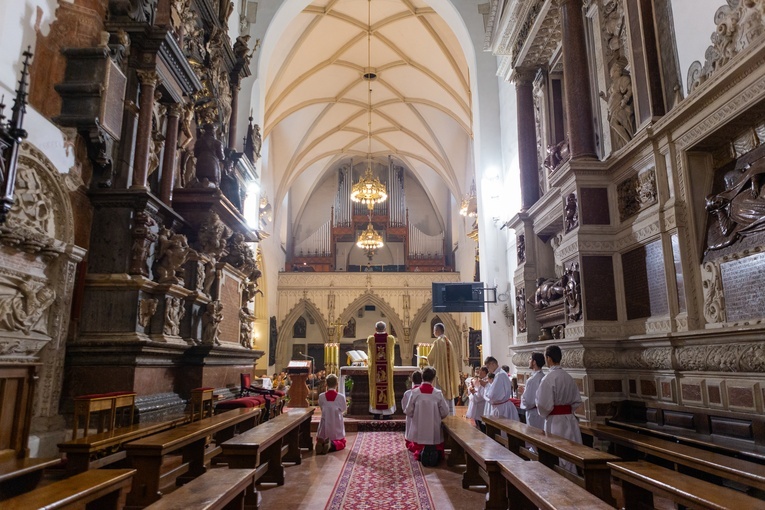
(200, 199)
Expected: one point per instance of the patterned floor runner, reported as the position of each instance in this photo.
(380, 474)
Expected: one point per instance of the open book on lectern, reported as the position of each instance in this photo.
(357, 358)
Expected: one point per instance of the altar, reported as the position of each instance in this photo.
(360, 393)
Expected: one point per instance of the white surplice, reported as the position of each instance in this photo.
(427, 410)
(404, 401)
(559, 389)
(476, 403)
(528, 400)
(331, 425)
(498, 395)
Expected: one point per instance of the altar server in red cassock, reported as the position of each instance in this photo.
(330, 435)
(427, 407)
(382, 403)
(557, 399)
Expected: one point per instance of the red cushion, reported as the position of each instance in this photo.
(105, 395)
(238, 402)
(279, 392)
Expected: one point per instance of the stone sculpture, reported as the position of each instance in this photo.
(172, 253)
(211, 323)
(740, 209)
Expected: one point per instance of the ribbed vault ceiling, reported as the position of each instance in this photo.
(317, 105)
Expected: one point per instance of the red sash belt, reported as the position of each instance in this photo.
(500, 403)
(560, 410)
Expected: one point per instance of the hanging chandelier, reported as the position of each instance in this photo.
(469, 204)
(369, 190)
(370, 239)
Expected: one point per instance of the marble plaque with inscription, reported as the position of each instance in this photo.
(742, 287)
(645, 288)
(598, 286)
(231, 297)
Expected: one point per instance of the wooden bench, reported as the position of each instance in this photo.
(738, 434)
(593, 463)
(265, 447)
(22, 475)
(218, 489)
(641, 480)
(103, 489)
(146, 454)
(481, 456)
(99, 450)
(534, 485)
(629, 445)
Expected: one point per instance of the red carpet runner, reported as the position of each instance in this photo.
(380, 474)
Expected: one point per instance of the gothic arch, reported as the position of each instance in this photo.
(452, 328)
(285, 330)
(370, 298)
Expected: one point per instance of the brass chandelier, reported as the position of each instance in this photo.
(469, 204)
(369, 190)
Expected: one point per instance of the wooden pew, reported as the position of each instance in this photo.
(628, 445)
(218, 489)
(533, 485)
(99, 450)
(146, 454)
(22, 475)
(481, 456)
(738, 434)
(267, 445)
(103, 489)
(641, 480)
(593, 463)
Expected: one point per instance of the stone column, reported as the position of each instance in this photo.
(527, 138)
(171, 149)
(149, 80)
(235, 87)
(576, 79)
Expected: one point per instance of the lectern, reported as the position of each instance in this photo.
(298, 371)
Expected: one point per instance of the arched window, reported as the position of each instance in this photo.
(298, 330)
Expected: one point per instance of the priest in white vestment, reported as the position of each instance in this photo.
(427, 407)
(557, 399)
(477, 399)
(529, 397)
(500, 392)
(330, 436)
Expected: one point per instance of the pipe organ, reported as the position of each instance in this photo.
(420, 251)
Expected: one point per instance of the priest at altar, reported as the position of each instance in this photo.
(380, 349)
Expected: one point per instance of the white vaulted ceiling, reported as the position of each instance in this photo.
(316, 101)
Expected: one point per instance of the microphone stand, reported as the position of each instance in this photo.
(313, 360)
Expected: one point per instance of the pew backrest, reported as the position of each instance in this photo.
(75, 492)
(211, 491)
(546, 489)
